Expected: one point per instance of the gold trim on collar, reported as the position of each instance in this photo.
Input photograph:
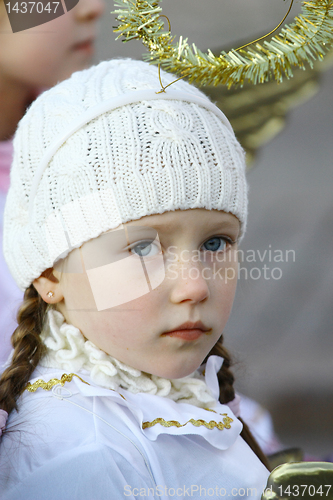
(47, 386)
(225, 424)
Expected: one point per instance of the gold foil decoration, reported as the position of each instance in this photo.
(307, 39)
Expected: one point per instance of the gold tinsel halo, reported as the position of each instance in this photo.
(306, 40)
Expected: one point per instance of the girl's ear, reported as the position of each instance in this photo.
(48, 287)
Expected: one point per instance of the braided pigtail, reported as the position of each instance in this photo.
(28, 349)
(227, 393)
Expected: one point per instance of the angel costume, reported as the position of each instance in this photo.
(103, 429)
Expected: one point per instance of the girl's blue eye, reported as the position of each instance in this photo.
(145, 249)
(215, 244)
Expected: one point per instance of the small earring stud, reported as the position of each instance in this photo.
(50, 295)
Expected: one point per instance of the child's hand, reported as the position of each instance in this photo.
(302, 480)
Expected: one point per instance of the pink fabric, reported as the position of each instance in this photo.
(3, 420)
(261, 425)
(234, 405)
(6, 154)
(10, 295)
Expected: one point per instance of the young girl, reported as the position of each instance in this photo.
(122, 223)
(30, 61)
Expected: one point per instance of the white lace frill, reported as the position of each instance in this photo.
(68, 350)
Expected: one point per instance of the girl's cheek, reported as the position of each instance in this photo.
(40, 57)
(225, 280)
(78, 295)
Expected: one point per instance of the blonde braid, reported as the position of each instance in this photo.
(28, 349)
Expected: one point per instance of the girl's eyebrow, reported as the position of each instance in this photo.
(209, 227)
(206, 229)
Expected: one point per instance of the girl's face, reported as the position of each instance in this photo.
(51, 52)
(190, 263)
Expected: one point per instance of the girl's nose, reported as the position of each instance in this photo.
(89, 10)
(188, 283)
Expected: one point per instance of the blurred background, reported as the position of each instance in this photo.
(280, 331)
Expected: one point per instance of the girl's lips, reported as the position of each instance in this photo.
(188, 330)
(186, 334)
(86, 46)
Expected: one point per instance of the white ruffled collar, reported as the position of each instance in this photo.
(68, 350)
(155, 415)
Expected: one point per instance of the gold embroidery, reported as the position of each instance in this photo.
(225, 424)
(47, 386)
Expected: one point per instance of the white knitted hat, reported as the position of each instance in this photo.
(102, 148)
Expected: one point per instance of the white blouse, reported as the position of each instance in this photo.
(74, 439)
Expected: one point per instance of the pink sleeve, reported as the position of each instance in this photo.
(10, 295)
(6, 155)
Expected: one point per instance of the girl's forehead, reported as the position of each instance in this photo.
(197, 217)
